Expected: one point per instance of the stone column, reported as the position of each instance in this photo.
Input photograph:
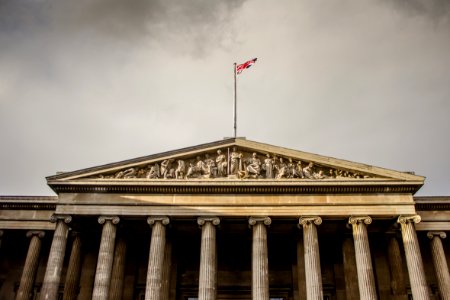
(207, 289)
(301, 268)
(350, 269)
(398, 285)
(105, 257)
(260, 261)
(156, 257)
(118, 271)
(31, 265)
(312, 257)
(73, 270)
(366, 281)
(55, 262)
(414, 262)
(167, 267)
(440, 263)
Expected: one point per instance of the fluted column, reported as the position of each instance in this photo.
(166, 274)
(156, 257)
(105, 257)
(31, 265)
(73, 270)
(312, 257)
(208, 261)
(440, 263)
(301, 268)
(366, 281)
(260, 261)
(414, 262)
(398, 285)
(55, 262)
(118, 271)
(350, 269)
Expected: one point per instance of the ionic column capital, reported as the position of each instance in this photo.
(253, 220)
(302, 221)
(40, 234)
(360, 219)
(409, 219)
(66, 218)
(114, 219)
(152, 220)
(202, 220)
(432, 234)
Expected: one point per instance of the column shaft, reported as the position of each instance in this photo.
(312, 257)
(301, 268)
(31, 265)
(366, 281)
(118, 271)
(165, 289)
(398, 285)
(105, 258)
(350, 270)
(156, 258)
(260, 261)
(73, 270)
(208, 261)
(414, 262)
(55, 262)
(440, 263)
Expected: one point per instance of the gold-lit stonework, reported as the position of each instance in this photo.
(232, 163)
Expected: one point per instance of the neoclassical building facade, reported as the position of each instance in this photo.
(232, 219)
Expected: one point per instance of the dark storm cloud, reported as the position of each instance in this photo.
(199, 23)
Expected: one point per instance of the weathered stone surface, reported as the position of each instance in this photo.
(414, 262)
(366, 281)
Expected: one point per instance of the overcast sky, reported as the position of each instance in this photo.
(89, 82)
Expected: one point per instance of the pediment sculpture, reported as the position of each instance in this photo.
(232, 164)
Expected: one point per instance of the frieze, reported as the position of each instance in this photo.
(232, 163)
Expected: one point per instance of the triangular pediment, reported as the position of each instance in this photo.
(234, 160)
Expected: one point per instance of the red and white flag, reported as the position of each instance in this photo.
(246, 65)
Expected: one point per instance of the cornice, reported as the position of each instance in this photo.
(28, 202)
(256, 187)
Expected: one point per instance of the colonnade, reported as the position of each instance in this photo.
(108, 280)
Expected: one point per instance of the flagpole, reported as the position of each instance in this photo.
(235, 101)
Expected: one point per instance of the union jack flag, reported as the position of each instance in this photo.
(246, 65)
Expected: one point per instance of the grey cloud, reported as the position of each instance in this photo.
(201, 24)
(437, 10)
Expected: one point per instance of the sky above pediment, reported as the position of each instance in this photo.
(85, 83)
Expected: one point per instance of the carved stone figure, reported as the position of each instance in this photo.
(166, 169)
(332, 173)
(268, 166)
(308, 171)
(298, 171)
(254, 166)
(153, 172)
(221, 162)
(210, 169)
(290, 169)
(195, 170)
(236, 162)
(180, 171)
(319, 175)
(140, 173)
(128, 173)
(282, 169)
